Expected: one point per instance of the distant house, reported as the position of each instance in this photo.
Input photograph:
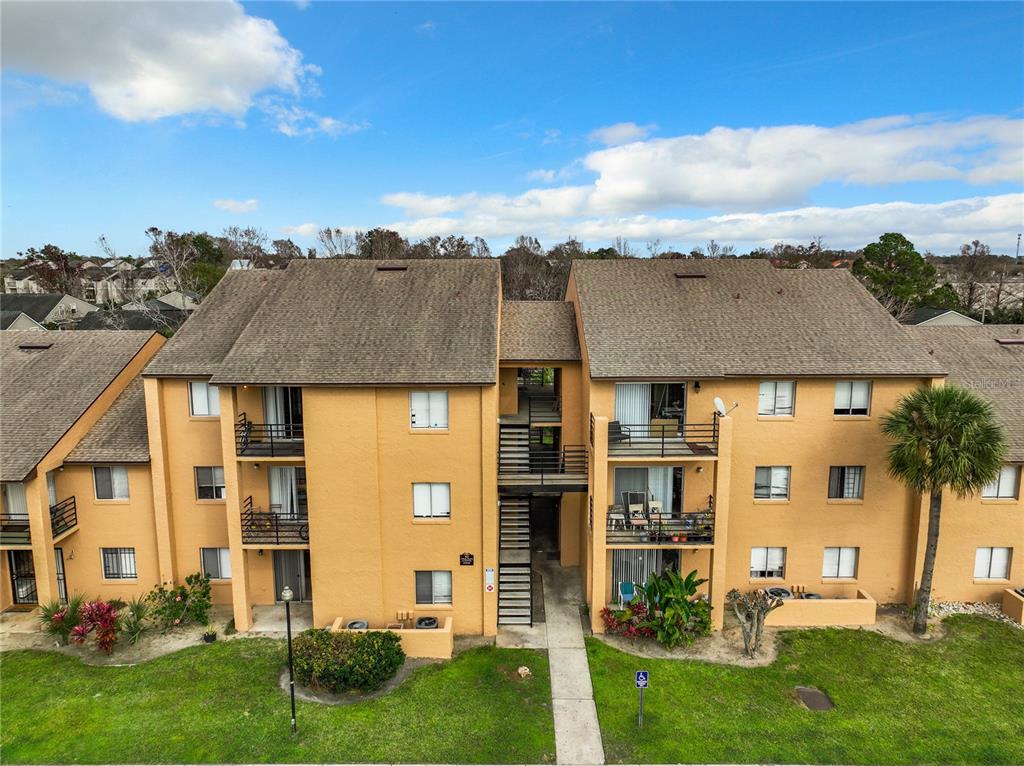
(153, 304)
(185, 300)
(927, 315)
(21, 281)
(18, 320)
(118, 319)
(241, 264)
(47, 308)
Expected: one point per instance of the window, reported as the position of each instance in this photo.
(1005, 485)
(767, 562)
(431, 501)
(846, 482)
(119, 563)
(216, 563)
(776, 397)
(840, 562)
(204, 399)
(853, 397)
(992, 563)
(428, 409)
(111, 482)
(434, 587)
(210, 482)
(771, 482)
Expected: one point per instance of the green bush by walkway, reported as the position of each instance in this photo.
(221, 703)
(958, 701)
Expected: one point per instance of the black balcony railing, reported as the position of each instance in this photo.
(268, 439)
(659, 529)
(14, 530)
(545, 466)
(544, 407)
(63, 516)
(666, 437)
(271, 527)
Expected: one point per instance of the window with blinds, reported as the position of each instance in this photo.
(434, 587)
(1005, 485)
(431, 500)
(111, 482)
(771, 482)
(428, 409)
(767, 563)
(776, 397)
(204, 399)
(853, 397)
(992, 563)
(216, 563)
(840, 562)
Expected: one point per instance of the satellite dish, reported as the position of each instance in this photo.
(720, 406)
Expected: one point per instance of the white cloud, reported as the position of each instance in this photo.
(939, 226)
(237, 206)
(302, 230)
(294, 120)
(621, 133)
(145, 61)
(551, 136)
(544, 176)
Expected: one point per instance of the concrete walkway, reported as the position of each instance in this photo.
(577, 734)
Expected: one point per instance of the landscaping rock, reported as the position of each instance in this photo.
(981, 608)
(524, 672)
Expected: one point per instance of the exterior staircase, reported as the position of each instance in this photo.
(514, 449)
(515, 601)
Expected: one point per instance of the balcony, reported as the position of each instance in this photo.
(14, 530)
(63, 517)
(268, 440)
(271, 527)
(646, 524)
(525, 466)
(662, 437)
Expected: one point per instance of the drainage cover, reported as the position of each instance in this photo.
(814, 699)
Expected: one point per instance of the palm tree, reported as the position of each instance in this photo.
(945, 437)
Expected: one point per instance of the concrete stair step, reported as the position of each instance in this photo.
(514, 620)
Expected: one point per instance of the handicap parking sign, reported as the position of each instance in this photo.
(641, 679)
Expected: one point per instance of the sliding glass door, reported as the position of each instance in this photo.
(282, 410)
(288, 491)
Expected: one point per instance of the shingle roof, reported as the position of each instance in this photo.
(118, 319)
(119, 436)
(45, 391)
(742, 318)
(538, 331)
(7, 318)
(35, 305)
(924, 313)
(347, 322)
(201, 344)
(976, 361)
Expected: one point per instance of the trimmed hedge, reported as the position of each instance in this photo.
(340, 662)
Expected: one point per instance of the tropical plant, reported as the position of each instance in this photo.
(668, 610)
(133, 619)
(177, 605)
(61, 619)
(100, 619)
(942, 438)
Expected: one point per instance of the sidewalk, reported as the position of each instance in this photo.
(577, 733)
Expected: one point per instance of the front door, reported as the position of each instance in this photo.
(62, 582)
(291, 568)
(23, 577)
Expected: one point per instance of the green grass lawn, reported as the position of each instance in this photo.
(958, 701)
(221, 703)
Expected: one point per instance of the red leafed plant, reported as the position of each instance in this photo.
(100, 619)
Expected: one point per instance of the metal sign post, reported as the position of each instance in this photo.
(642, 677)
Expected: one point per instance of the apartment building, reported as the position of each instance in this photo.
(392, 440)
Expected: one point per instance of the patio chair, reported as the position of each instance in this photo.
(618, 433)
(627, 592)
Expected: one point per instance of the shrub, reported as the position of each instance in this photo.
(133, 619)
(61, 619)
(100, 619)
(174, 606)
(678, 617)
(338, 662)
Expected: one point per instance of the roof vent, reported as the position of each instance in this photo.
(690, 275)
(392, 267)
(40, 346)
(1010, 341)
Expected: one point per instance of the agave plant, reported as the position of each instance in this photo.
(59, 620)
(133, 619)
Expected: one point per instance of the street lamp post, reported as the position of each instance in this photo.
(286, 597)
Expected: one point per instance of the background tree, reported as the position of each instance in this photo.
(896, 274)
(381, 244)
(337, 243)
(942, 438)
(622, 247)
(972, 268)
(55, 270)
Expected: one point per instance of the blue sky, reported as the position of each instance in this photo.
(749, 123)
